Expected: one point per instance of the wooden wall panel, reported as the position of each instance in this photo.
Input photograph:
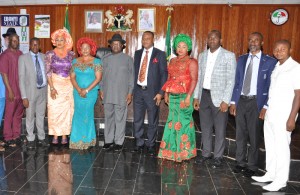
(235, 24)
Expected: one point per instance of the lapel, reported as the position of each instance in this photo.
(138, 60)
(261, 65)
(204, 61)
(31, 63)
(151, 65)
(218, 60)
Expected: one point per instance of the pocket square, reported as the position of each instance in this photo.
(155, 60)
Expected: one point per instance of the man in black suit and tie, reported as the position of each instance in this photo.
(150, 74)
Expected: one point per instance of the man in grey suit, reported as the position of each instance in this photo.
(212, 95)
(33, 82)
(116, 92)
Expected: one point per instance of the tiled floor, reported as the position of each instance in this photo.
(57, 170)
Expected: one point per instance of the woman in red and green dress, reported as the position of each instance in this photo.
(179, 142)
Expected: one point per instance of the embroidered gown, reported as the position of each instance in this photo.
(178, 142)
(60, 110)
(83, 133)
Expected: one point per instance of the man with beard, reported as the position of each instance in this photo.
(212, 95)
(13, 103)
(116, 92)
(249, 102)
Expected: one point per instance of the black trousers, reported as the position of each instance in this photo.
(142, 101)
(248, 127)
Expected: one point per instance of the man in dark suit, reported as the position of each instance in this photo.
(249, 102)
(150, 74)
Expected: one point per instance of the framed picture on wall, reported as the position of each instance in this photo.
(146, 19)
(93, 21)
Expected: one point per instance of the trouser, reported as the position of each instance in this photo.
(277, 143)
(2, 106)
(13, 119)
(115, 123)
(247, 125)
(142, 101)
(37, 108)
(211, 116)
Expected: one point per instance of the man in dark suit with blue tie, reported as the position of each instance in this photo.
(150, 75)
(249, 102)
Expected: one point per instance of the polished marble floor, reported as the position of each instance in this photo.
(58, 170)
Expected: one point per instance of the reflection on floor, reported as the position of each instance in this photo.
(58, 170)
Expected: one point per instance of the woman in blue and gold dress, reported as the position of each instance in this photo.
(86, 73)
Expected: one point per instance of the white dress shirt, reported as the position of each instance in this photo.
(211, 60)
(144, 83)
(256, 61)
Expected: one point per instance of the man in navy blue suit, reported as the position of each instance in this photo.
(249, 102)
(150, 75)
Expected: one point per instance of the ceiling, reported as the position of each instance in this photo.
(150, 2)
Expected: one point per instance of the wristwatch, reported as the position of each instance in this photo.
(51, 88)
(87, 91)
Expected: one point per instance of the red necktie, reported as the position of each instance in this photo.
(143, 68)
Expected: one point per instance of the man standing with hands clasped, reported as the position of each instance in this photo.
(249, 102)
(150, 75)
(284, 104)
(33, 82)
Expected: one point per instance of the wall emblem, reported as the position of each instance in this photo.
(119, 20)
(279, 17)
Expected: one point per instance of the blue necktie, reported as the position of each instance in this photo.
(39, 75)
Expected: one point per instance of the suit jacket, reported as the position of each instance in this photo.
(222, 78)
(157, 71)
(266, 66)
(27, 75)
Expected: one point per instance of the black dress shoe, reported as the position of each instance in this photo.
(202, 159)
(249, 173)
(151, 151)
(118, 148)
(31, 144)
(138, 149)
(43, 143)
(217, 163)
(238, 169)
(107, 146)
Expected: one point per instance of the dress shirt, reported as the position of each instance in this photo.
(144, 83)
(42, 67)
(211, 60)
(256, 61)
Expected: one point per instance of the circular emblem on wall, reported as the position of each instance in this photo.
(279, 16)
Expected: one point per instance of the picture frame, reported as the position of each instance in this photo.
(146, 20)
(93, 21)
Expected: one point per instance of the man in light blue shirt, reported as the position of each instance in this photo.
(2, 98)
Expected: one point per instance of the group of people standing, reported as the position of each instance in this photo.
(254, 88)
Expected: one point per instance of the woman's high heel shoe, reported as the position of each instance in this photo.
(64, 141)
(55, 141)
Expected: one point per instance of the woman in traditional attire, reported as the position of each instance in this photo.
(178, 142)
(60, 89)
(86, 73)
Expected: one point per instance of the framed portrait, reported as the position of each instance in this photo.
(146, 19)
(93, 21)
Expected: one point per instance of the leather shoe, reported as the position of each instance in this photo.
(118, 148)
(238, 169)
(217, 163)
(202, 159)
(249, 173)
(31, 144)
(263, 179)
(274, 187)
(138, 149)
(151, 151)
(107, 146)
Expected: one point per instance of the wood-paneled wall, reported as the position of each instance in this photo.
(234, 22)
